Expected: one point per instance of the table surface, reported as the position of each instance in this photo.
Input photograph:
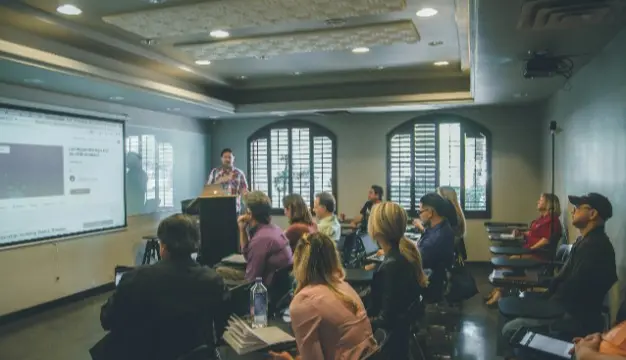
(359, 276)
(509, 250)
(503, 261)
(514, 307)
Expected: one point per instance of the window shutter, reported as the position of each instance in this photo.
(322, 164)
(166, 167)
(301, 163)
(400, 170)
(148, 162)
(476, 172)
(450, 155)
(132, 144)
(425, 157)
(279, 175)
(259, 165)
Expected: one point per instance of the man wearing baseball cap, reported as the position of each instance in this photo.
(589, 273)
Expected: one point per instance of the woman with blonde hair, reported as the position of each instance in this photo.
(300, 219)
(448, 193)
(327, 316)
(399, 280)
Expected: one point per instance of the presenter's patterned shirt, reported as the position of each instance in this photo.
(233, 177)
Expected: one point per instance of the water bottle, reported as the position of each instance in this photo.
(258, 304)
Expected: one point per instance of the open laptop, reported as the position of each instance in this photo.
(371, 248)
(215, 190)
(119, 272)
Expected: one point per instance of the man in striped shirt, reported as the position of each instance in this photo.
(230, 175)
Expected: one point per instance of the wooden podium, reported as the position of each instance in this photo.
(219, 234)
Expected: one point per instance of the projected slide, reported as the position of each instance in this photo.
(59, 175)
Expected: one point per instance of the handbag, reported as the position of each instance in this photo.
(461, 283)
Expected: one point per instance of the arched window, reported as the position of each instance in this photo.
(440, 150)
(292, 156)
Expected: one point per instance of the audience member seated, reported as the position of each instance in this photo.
(328, 318)
(608, 346)
(436, 244)
(543, 230)
(399, 280)
(264, 245)
(167, 309)
(582, 284)
(327, 222)
(374, 196)
(451, 211)
(300, 219)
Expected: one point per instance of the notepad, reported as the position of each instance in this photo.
(244, 339)
(236, 259)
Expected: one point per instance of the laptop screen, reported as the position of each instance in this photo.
(369, 244)
(118, 277)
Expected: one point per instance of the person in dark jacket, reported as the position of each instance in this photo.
(165, 310)
(587, 276)
(399, 280)
(436, 244)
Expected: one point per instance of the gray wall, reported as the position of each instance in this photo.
(35, 274)
(591, 141)
(361, 157)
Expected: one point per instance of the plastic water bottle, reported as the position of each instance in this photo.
(258, 304)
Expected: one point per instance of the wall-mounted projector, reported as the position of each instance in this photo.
(542, 66)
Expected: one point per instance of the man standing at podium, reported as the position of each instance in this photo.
(229, 174)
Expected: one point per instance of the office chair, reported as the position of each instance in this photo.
(279, 292)
(381, 338)
(202, 352)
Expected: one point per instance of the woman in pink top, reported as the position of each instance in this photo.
(327, 316)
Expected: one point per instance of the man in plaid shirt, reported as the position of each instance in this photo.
(229, 174)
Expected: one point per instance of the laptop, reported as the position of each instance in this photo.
(215, 190)
(119, 272)
(371, 248)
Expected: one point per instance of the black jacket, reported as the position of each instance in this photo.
(162, 311)
(394, 288)
(586, 277)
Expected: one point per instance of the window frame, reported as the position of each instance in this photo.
(314, 130)
(408, 127)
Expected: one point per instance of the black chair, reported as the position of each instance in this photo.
(202, 352)
(381, 338)
(279, 292)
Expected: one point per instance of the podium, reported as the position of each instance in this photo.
(219, 234)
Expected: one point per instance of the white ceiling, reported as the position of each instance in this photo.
(295, 56)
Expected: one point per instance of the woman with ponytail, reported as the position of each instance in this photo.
(399, 280)
(328, 318)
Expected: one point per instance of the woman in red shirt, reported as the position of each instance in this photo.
(539, 234)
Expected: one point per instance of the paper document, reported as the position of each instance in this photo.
(234, 259)
(244, 339)
(550, 345)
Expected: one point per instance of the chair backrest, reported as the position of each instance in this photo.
(282, 284)
(381, 338)
(202, 352)
(562, 253)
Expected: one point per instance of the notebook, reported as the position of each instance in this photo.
(244, 339)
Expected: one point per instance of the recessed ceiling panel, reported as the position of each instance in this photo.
(559, 15)
(201, 18)
(306, 42)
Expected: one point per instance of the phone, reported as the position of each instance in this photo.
(541, 343)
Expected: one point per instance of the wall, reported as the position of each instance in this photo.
(361, 157)
(591, 140)
(35, 274)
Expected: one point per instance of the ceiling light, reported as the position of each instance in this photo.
(380, 67)
(156, 1)
(116, 98)
(68, 9)
(297, 73)
(242, 77)
(441, 63)
(278, 113)
(219, 34)
(520, 95)
(427, 12)
(435, 43)
(33, 81)
(203, 62)
(184, 68)
(173, 109)
(360, 50)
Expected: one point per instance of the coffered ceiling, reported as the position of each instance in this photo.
(239, 58)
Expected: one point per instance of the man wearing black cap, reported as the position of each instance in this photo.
(587, 276)
(436, 244)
